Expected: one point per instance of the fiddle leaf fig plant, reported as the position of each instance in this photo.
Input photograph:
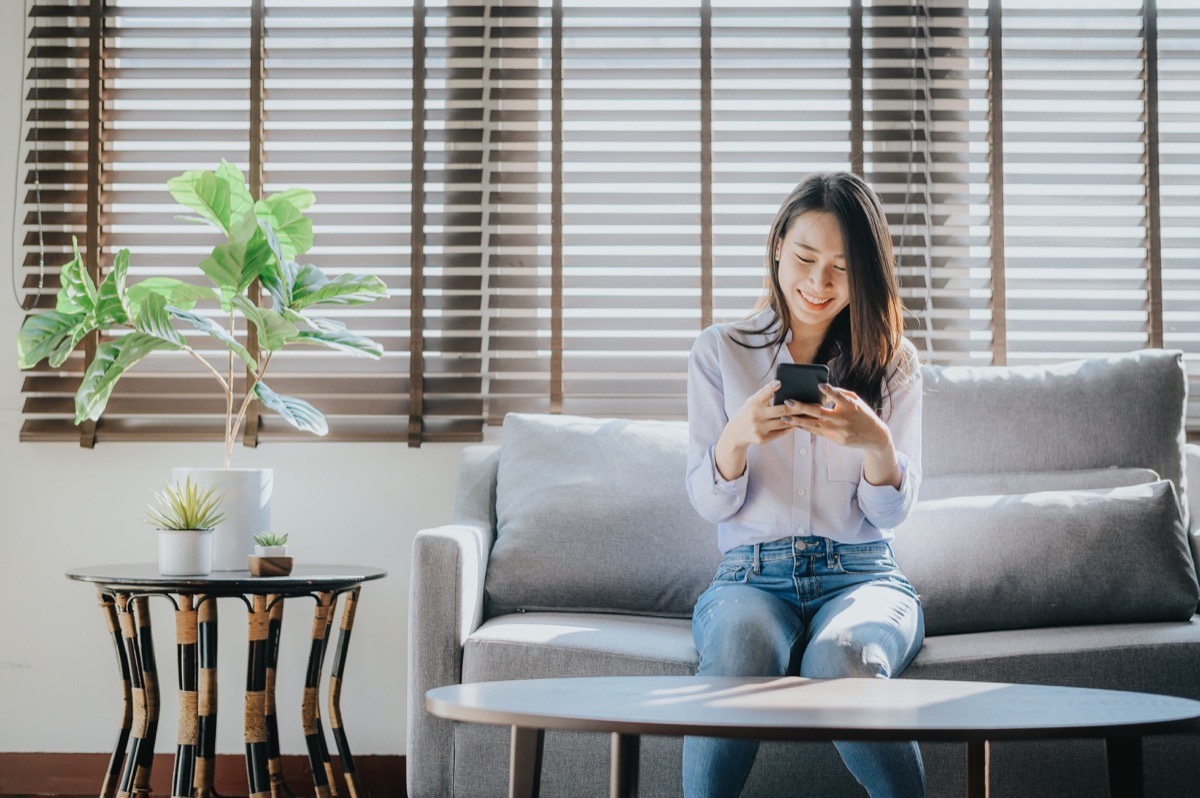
(263, 241)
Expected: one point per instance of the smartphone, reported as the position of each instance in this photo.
(800, 381)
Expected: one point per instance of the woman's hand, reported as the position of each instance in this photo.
(848, 421)
(758, 421)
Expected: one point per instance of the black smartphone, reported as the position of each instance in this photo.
(800, 381)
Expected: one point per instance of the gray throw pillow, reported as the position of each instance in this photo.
(592, 515)
(949, 485)
(1126, 410)
(1056, 558)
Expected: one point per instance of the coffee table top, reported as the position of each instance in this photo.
(144, 577)
(793, 708)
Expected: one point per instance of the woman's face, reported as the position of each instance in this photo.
(812, 271)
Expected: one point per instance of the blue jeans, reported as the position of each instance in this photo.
(817, 608)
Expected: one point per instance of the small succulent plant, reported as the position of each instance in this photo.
(270, 539)
(185, 506)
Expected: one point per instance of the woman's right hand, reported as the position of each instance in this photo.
(758, 421)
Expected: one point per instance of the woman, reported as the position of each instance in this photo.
(805, 495)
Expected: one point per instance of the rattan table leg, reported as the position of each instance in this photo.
(206, 708)
(279, 788)
(186, 633)
(256, 693)
(112, 777)
(979, 768)
(310, 711)
(335, 694)
(134, 615)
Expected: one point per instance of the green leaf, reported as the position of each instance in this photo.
(297, 412)
(113, 306)
(343, 341)
(301, 198)
(292, 227)
(279, 284)
(241, 203)
(208, 326)
(112, 360)
(77, 293)
(312, 287)
(224, 268)
(174, 292)
(274, 331)
(154, 320)
(204, 193)
(264, 258)
(48, 334)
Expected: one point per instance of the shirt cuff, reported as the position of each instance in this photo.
(884, 499)
(732, 487)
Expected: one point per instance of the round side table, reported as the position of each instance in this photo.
(125, 591)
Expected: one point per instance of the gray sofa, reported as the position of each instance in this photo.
(1050, 545)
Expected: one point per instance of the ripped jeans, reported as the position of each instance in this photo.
(813, 607)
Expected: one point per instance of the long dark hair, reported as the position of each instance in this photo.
(863, 339)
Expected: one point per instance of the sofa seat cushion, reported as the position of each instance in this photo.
(1143, 657)
(538, 645)
(593, 515)
(1054, 558)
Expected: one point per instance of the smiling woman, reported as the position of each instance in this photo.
(559, 195)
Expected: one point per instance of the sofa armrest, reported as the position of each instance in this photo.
(445, 605)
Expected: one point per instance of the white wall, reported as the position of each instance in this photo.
(64, 506)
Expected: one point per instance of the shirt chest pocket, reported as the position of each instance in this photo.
(843, 464)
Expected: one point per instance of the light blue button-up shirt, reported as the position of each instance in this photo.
(798, 484)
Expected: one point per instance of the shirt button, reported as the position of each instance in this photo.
(801, 532)
(800, 492)
(804, 450)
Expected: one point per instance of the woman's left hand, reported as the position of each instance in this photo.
(849, 421)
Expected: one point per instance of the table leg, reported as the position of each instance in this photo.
(206, 708)
(1124, 766)
(335, 694)
(186, 636)
(310, 712)
(623, 772)
(134, 615)
(525, 762)
(256, 690)
(112, 776)
(979, 766)
(279, 788)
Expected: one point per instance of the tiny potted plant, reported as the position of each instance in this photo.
(185, 514)
(268, 544)
(270, 556)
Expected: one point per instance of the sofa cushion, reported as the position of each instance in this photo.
(1056, 558)
(1125, 410)
(950, 485)
(537, 645)
(593, 515)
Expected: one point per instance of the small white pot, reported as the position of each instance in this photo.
(185, 552)
(270, 551)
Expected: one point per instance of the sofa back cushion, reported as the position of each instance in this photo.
(1055, 558)
(1127, 410)
(592, 515)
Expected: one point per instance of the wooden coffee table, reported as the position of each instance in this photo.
(792, 708)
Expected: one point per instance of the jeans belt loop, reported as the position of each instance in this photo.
(830, 557)
(757, 558)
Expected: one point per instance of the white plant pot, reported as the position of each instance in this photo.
(246, 505)
(270, 551)
(185, 552)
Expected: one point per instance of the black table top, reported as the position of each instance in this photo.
(144, 577)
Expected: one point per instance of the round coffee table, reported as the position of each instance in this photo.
(792, 708)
